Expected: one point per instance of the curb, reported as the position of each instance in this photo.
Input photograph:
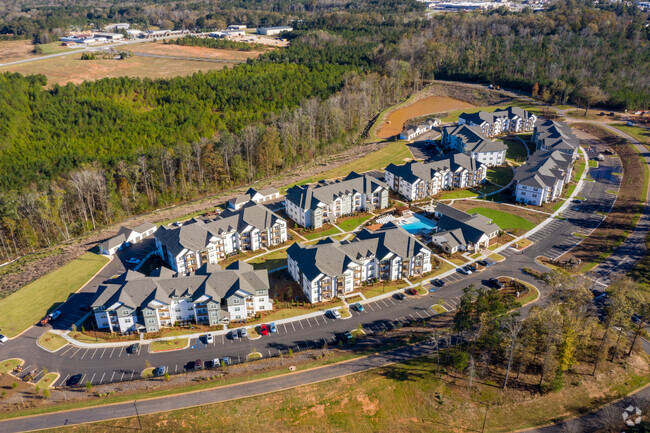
(48, 350)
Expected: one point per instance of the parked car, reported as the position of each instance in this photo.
(133, 349)
(215, 363)
(334, 314)
(463, 271)
(226, 360)
(273, 328)
(358, 307)
(74, 380)
(496, 283)
(264, 330)
(160, 371)
(190, 366)
(209, 339)
(469, 270)
(234, 335)
(629, 124)
(438, 282)
(55, 315)
(472, 268)
(411, 292)
(198, 364)
(399, 296)
(3, 338)
(243, 332)
(133, 260)
(347, 336)
(484, 263)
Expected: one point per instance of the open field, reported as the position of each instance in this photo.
(500, 175)
(505, 221)
(159, 48)
(71, 69)
(626, 211)
(25, 307)
(396, 152)
(11, 51)
(529, 215)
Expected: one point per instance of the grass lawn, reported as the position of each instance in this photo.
(496, 257)
(272, 260)
(487, 188)
(500, 175)
(452, 116)
(516, 150)
(524, 243)
(349, 224)
(9, 364)
(345, 313)
(641, 134)
(459, 261)
(593, 163)
(380, 289)
(394, 152)
(505, 221)
(445, 267)
(463, 193)
(53, 48)
(23, 308)
(163, 345)
(529, 297)
(476, 256)
(47, 380)
(421, 290)
(320, 234)
(52, 341)
(439, 309)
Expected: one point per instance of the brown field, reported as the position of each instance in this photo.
(70, 69)
(187, 51)
(11, 51)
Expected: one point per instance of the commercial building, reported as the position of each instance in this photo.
(187, 248)
(125, 237)
(273, 30)
(332, 269)
(469, 139)
(210, 296)
(419, 180)
(314, 205)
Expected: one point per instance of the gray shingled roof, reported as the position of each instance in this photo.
(412, 171)
(310, 196)
(484, 116)
(556, 135)
(543, 168)
(473, 139)
(138, 291)
(473, 226)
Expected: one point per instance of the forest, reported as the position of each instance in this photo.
(77, 157)
(224, 44)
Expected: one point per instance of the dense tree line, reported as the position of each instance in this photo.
(550, 341)
(224, 44)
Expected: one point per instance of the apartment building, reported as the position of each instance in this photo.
(258, 196)
(552, 135)
(209, 296)
(459, 231)
(125, 237)
(331, 268)
(414, 131)
(313, 205)
(542, 178)
(200, 241)
(469, 139)
(511, 119)
(419, 180)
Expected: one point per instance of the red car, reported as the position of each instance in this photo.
(264, 329)
(411, 292)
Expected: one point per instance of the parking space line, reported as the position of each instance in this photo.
(102, 379)
(67, 350)
(132, 373)
(391, 301)
(113, 375)
(285, 327)
(377, 305)
(82, 379)
(294, 328)
(64, 379)
(119, 352)
(223, 340)
(122, 378)
(94, 353)
(384, 302)
(316, 319)
(71, 356)
(93, 378)
(301, 327)
(308, 322)
(421, 317)
(370, 306)
(85, 353)
(103, 352)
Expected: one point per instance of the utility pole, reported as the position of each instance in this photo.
(137, 414)
(484, 418)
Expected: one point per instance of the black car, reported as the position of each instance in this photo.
(438, 282)
(483, 263)
(472, 268)
(496, 283)
(74, 380)
(399, 296)
(190, 366)
(133, 349)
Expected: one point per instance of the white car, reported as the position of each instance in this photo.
(3, 339)
(209, 339)
(335, 314)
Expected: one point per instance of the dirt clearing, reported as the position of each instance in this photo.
(188, 51)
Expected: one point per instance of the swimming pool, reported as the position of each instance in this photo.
(418, 223)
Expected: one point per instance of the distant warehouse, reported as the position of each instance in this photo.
(273, 30)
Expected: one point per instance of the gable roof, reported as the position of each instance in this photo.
(510, 112)
(543, 169)
(472, 227)
(473, 139)
(555, 135)
(426, 171)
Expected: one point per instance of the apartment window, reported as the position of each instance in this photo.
(125, 313)
(127, 321)
(149, 313)
(150, 321)
(237, 308)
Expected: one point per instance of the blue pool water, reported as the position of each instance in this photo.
(418, 223)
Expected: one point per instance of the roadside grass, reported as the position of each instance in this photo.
(579, 235)
(394, 152)
(52, 341)
(319, 234)
(286, 313)
(451, 195)
(345, 313)
(253, 356)
(9, 364)
(458, 261)
(559, 203)
(641, 271)
(349, 224)
(53, 48)
(593, 163)
(23, 308)
(439, 309)
(47, 380)
(523, 243)
(641, 134)
(380, 288)
(421, 290)
(500, 175)
(516, 150)
(496, 257)
(476, 256)
(505, 220)
(164, 345)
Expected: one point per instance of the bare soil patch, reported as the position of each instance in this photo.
(11, 51)
(188, 51)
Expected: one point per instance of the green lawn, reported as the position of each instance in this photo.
(349, 224)
(345, 313)
(47, 380)
(496, 257)
(463, 193)
(380, 288)
(272, 260)
(22, 309)
(9, 364)
(54, 48)
(505, 221)
(593, 163)
(52, 341)
(320, 234)
(500, 175)
(439, 309)
(394, 152)
(516, 150)
(163, 345)
(641, 134)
